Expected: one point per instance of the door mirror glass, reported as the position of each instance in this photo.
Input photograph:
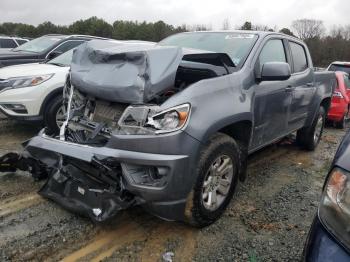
(275, 71)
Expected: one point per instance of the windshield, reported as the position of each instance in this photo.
(236, 45)
(343, 68)
(63, 60)
(38, 45)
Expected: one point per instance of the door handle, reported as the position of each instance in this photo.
(289, 88)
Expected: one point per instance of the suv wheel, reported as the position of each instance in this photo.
(342, 124)
(54, 115)
(217, 176)
(309, 137)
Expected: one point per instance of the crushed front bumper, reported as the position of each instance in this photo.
(100, 181)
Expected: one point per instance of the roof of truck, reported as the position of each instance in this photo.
(259, 33)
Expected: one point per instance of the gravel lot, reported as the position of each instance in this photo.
(268, 220)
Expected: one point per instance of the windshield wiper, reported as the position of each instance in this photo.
(57, 64)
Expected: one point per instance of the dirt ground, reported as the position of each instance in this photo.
(268, 219)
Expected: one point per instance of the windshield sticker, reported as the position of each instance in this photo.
(235, 36)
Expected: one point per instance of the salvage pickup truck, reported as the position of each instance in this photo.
(169, 126)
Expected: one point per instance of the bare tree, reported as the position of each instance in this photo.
(308, 28)
(261, 28)
(198, 27)
(226, 24)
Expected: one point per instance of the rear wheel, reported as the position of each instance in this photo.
(309, 137)
(54, 115)
(217, 176)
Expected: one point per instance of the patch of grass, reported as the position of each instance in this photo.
(252, 256)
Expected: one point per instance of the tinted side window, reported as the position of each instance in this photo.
(68, 46)
(299, 57)
(7, 43)
(21, 41)
(347, 81)
(273, 51)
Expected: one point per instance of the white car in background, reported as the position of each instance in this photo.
(33, 92)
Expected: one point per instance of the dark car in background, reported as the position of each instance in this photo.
(329, 237)
(8, 42)
(339, 66)
(42, 49)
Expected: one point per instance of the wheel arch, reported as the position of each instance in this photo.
(49, 98)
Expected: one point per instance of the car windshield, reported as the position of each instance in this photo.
(63, 60)
(343, 68)
(38, 45)
(236, 45)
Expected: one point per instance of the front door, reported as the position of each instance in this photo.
(272, 98)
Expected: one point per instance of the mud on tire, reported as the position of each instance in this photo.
(221, 149)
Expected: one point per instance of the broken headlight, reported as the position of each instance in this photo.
(334, 210)
(145, 120)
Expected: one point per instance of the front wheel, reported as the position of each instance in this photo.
(217, 176)
(309, 137)
(55, 115)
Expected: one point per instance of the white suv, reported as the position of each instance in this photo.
(34, 91)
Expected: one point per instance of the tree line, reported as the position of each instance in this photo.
(324, 46)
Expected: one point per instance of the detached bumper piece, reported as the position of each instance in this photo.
(98, 193)
(12, 162)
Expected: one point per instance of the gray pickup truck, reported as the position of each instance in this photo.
(169, 126)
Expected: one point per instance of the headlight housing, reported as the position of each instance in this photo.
(145, 120)
(27, 81)
(334, 210)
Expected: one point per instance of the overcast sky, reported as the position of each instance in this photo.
(210, 12)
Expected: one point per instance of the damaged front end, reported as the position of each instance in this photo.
(112, 94)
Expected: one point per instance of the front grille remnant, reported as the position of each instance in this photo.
(108, 113)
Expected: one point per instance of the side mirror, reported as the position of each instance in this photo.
(275, 71)
(54, 54)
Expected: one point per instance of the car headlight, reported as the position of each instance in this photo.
(334, 210)
(26, 81)
(150, 120)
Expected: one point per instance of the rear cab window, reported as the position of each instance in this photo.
(299, 58)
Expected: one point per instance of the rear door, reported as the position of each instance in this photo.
(272, 98)
(303, 87)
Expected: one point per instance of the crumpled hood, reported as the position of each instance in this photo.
(126, 72)
(29, 70)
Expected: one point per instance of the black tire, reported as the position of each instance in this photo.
(341, 124)
(50, 114)
(309, 137)
(220, 145)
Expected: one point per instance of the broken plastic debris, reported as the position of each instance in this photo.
(168, 257)
(97, 211)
